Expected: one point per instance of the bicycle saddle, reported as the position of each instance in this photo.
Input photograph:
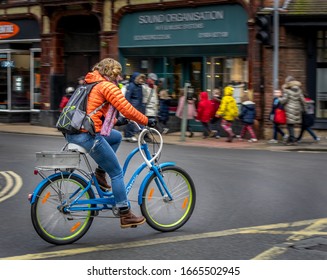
(75, 147)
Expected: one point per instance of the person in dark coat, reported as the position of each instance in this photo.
(163, 114)
(276, 126)
(134, 94)
(214, 121)
(308, 120)
(247, 116)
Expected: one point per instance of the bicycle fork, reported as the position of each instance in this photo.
(160, 182)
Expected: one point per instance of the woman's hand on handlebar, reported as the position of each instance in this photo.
(152, 122)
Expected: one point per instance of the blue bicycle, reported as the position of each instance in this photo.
(64, 203)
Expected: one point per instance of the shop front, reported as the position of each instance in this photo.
(19, 69)
(205, 46)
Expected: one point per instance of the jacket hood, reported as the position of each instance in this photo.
(292, 84)
(204, 95)
(228, 91)
(249, 104)
(135, 77)
(94, 76)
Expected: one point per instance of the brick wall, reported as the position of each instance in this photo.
(292, 61)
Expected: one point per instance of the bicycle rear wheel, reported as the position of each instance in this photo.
(51, 220)
(160, 212)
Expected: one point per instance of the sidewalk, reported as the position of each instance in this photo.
(175, 138)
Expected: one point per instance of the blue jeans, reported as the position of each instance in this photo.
(103, 150)
(303, 129)
(277, 130)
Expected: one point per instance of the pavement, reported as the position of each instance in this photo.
(307, 143)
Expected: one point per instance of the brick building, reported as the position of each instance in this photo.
(45, 45)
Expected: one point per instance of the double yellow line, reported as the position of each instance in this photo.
(295, 230)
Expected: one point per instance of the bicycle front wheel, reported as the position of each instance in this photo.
(50, 213)
(161, 212)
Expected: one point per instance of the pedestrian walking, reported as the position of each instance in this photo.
(163, 114)
(64, 100)
(151, 99)
(308, 119)
(276, 105)
(247, 116)
(215, 121)
(204, 112)
(150, 96)
(134, 94)
(294, 104)
(228, 111)
(191, 111)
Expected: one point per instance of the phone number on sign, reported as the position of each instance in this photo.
(207, 270)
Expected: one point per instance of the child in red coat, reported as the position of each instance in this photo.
(64, 100)
(204, 113)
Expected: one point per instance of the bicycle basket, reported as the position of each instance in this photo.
(53, 160)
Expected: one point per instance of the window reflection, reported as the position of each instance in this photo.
(21, 81)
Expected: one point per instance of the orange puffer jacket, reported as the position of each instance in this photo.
(108, 91)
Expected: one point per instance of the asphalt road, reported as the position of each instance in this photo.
(251, 204)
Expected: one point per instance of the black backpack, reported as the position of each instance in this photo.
(73, 117)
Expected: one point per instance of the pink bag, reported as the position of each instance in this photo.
(109, 121)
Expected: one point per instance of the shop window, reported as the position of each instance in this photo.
(321, 102)
(4, 65)
(20, 73)
(223, 71)
(36, 80)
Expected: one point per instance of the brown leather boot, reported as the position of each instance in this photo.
(128, 219)
(101, 177)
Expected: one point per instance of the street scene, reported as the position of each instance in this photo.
(147, 138)
(249, 206)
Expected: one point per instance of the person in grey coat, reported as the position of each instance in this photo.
(294, 104)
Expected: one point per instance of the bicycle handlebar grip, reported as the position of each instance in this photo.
(152, 122)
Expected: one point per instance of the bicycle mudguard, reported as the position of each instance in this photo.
(147, 177)
(51, 177)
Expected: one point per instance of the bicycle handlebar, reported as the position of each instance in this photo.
(140, 141)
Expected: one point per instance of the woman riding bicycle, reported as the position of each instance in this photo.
(103, 148)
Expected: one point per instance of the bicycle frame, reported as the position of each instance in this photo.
(153, 169)
(105, 200)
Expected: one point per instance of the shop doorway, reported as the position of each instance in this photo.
(187, 70)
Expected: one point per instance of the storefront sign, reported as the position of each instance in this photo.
(218, 24)
(19, 30)
(8, 29)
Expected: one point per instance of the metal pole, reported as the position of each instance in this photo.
(185, 110)
(276, 46)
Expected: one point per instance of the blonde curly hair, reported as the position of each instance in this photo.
(108, 67)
